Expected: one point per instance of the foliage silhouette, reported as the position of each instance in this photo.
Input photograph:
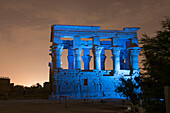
(156, 52)
(130, 88)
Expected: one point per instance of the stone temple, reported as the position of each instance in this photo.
(97, 83)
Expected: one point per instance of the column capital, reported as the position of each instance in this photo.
(116, 58)
(97, 50)
(116, 50)
(86, 58)
(57, 54)
(97, 61)
(58, 49)
(134, 50)
(77, 50)
(77, 58)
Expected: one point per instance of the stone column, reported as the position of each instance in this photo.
(96, 51)
(86, 60)
(52, 61)
(58, 52)
(116, 58)
(127, 58)
(134, 52)
(70, 61)
(122, 59)
(77, 57)
(103, 57)
(70, 58)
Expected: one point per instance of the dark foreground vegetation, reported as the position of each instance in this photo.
(156, 52)
(155, 74)
(34, 92)
(146, 92)
(20, 92)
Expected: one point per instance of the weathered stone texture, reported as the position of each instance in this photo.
(97, 83)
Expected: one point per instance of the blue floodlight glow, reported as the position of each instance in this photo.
(97, 83)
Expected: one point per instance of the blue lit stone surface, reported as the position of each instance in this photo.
(97, 83)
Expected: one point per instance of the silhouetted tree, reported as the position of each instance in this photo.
(156, 62)
(130, 88)
(37, 85)
(18, 89)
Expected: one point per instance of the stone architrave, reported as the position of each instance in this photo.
(97, 83)
(58, 52)
(116, 58)
(96, 51)
(77, 57)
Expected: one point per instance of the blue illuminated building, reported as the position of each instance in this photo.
(97, 83)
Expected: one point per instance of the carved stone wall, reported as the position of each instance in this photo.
(97, 83)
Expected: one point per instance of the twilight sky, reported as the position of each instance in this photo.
(25, 28)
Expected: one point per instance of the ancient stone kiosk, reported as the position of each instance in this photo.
(91, 82)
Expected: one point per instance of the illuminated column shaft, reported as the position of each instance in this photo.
(103, 57)
(77, 57)
(127, 64)
(70, 61)
(86, 58)
(116, 58)
(134, 54)
(96, 51)
(58, 53)
(70, 58)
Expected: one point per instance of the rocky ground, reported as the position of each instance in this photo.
(53, 106)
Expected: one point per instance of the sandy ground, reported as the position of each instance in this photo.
(53, 106)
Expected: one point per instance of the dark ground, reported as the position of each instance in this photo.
(53, 106)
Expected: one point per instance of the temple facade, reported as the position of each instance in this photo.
(97, 83)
